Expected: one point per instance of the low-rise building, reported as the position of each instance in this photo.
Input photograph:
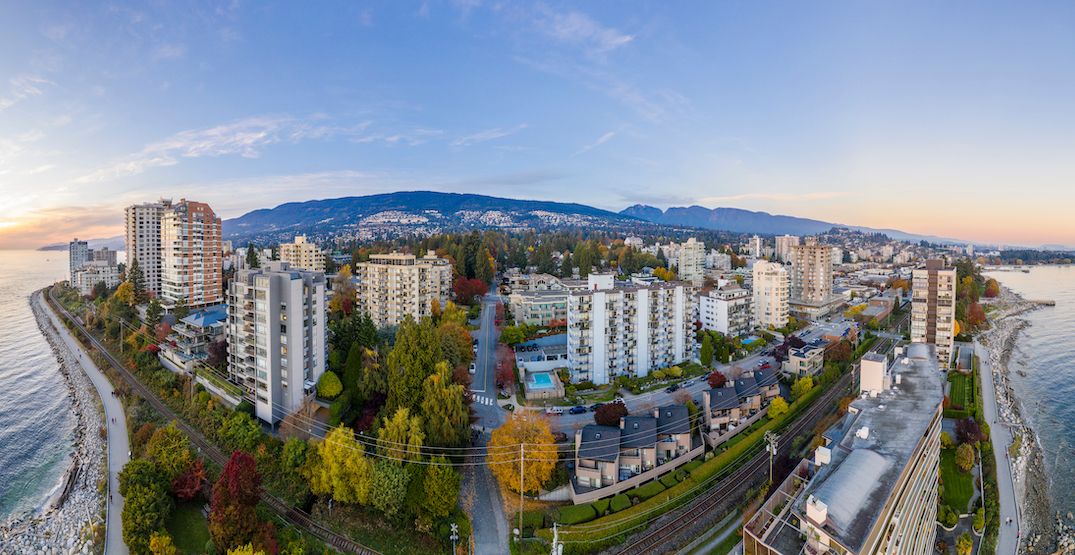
(872, 488)
(539, 307)
(807, 360)
(518, 281)
(93, 272)
(187, 346)
(727, 309)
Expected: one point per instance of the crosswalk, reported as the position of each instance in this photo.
(483, 400)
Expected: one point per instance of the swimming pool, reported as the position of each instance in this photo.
(750, 340)
(540, 380)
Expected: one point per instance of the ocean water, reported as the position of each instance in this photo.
(36, 422)
(1045, 353)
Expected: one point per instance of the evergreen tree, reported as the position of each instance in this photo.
(138, 281)
(252, 256)
(706, 353)
(153, 313)
(567, 269)
(412, 359)
(484, 266)
(181, 310)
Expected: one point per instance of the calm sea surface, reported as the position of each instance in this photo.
(35, 411)
(1045, 352)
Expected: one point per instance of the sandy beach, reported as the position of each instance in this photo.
(68, 521)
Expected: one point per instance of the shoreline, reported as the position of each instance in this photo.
(66, 521)
(1042, 531)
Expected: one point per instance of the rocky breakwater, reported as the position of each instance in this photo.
(67, 523)
(1038, 528)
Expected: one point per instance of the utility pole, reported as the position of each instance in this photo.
(522, 486)
(771, 440)
(454, 536)
(557, 547)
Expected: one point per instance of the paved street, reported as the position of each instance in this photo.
(118, 447)
(1001, 435)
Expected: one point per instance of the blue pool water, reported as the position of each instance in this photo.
(750, 340)
(541, 380)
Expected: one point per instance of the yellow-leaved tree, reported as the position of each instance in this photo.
(538, 451)
(337, 466)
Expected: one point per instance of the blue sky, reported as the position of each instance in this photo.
(952, 118)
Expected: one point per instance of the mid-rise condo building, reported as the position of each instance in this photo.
(191, 255)
(811, 279)
(784, 244)
(78, 254)
(933, 307)
(727, 309)
(394, 286)
(691, 261)
(143, 241)
(303, 255)
(627, 328)
(276, 336)
(771, 294)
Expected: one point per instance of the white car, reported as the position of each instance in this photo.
(473, 368)
(554, 410)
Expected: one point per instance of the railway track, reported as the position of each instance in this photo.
(737, 483)
(295, 516)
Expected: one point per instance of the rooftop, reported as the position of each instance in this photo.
(673, 419)
(638, 431)
(601, 443)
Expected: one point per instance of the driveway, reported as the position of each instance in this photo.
(1001, 436)
(118, 447)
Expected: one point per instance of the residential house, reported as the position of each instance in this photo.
(673, 432)
(638, 445)
(597, 456)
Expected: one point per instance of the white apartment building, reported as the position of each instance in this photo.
(393, 286)
(78, 254)
(784, 244)
(93, 272)
(104, 254)
(303, 255)
(627, 327)
(756, 246)
(539, 307)
(690, 259)
(276, 336)
(143, 240)
(191, 255)
(727, 309)
(717, 260)
(634, 242)
(933, 307)
(771, 294)
(872, 488)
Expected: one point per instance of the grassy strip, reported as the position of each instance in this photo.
(609, 530)
(958, 485)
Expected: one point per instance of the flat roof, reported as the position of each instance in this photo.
(864, 471)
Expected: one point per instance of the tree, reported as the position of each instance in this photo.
(965, 457)
(160, 543)
(247, 549)
(389, 488)
(187, 485)
(964, 544)
(946, 441)
(505, 377)
(328, 385)
(343, 292)
(153, 313)
(252, 258)
(125, 293)
(441, 487)
(401, 437)
(706, 353)
(567, 267)
(609, 414)
(801, 387)
(968, 431)
(145, 510)
(992, 288)
(444, 409)
(137, 280)
(484, 266)
(169, 449)
(716, 379)
(412, 359)
(338, 467)
(468, 291)
(181, 310)
(513, 335)
(240, 431)
(455, 339)
(840, 352)
(232, 518)
(141, 473)
(538, 451)
(777, 407)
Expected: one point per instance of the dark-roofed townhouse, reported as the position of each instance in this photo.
(722, 408)
(638, 444)
(673, 432)
(597, 456)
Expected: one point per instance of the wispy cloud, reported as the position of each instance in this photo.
(600, 141)
(22, 87)
(169, 51)
(245, 137)
(577, 28)
(487, 135)
(777, 197)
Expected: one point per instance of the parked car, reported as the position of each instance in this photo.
(577, 410)
(559, 437)
(595, 406)
(554, 410)
(619, 400)
(509, 407)
(671, 388)
(473, 368)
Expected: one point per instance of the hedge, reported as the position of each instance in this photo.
(601, 506)
(533, 519)
(691, 465)
(576, 514)
(619, 503)
(646, 491)
(669, 480)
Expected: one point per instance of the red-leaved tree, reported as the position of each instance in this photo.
(716, 379)
(232, 519)
(187, 485)
(468, 290)
(609, 414)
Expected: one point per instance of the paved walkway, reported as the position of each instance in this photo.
(118, 447)
(490, 525)
(1001, 436)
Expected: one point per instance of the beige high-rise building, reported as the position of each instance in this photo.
(784, 244)
(811, 280)
(392, 286)
(143, 241)
(771, 294)
(303, 255)
(691, 261)
(872, 487)
(191, 255)
(933, 307)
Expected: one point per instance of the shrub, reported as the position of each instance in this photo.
(619, 503)
(533, 519)
(328, 385)
(646, 491)
(576, 514)
(690, 466)
(658, 374)
(669, 480)
(674, 371)
(601, 506)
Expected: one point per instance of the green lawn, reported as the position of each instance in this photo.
(962, 391)
(188, 528)
(958, 485)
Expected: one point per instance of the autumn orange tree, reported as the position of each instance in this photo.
(538, 451)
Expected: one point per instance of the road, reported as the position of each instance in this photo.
(488, 521)
(116, 424)
(1001, 436)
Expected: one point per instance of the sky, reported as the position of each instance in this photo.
(948, 118)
